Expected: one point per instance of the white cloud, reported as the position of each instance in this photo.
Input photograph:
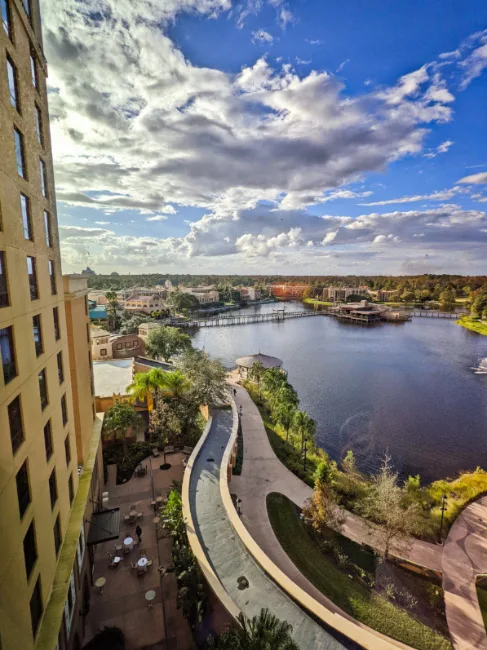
(303, 61)
(475, 179)
(102, 223)
(285, 17)
(261, 36)
(342, 65)
(315, 41)
(442, 148)
(434, 196)
(158, 217)
(475, 63)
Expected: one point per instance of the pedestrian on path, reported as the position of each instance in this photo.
(138, 532)
(234, 392)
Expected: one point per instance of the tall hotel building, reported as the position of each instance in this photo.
(50, 456)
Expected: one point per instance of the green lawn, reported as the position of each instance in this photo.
(312, 301)
(353, 597)
(473, 325)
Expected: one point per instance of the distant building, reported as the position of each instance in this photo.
(289, 291)
(105, 346)
(168, 285)
(144, 304)
(326, 293)
(250, 293)
(382, 295)
(87, 271)
(98, 313)
(204, 295)
(340, 294)
(145, 328)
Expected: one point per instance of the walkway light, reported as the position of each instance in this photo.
(443, 508)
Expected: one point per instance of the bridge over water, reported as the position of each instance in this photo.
(246, 319)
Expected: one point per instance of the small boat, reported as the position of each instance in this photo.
(481, 369)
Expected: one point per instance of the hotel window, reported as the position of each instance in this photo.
(20, 153)
(55, 316)
(30, 549)
(53, 488)
(40, 135)
(67, 450)
(43, 172)
(60, 367)
(32, 273)
(58, 539)
(33, 69)
(43, 388)
(103, 353)
(48, 440)
(64, 410)
(36, 326)
(47, 227)
(52, 276)
(7, 352)
(15, 422)
(4, 299)
(23, 490)
(13, 84)
(70, 488)
(6, 18)
(26, 216)
(36, 606)
(88, 338)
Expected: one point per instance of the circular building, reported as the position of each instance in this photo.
(245, 363)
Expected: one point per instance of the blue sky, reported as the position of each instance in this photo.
(270, 136)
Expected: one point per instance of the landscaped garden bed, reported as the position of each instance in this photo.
(388, 599)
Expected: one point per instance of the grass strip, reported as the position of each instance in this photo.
(354, 598)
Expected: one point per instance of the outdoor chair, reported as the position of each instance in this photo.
(169, 449)
(155, 452)
(126, 518)
(139, 515)
(188, 450)
(143, 552)
(140, 570)
(126, 550)
(149, 563)
(133, 565)
(118, 547)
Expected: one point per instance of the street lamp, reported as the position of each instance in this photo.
(240, 410)
(443, 508)
(305, 448)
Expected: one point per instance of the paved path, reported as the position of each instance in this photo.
(464, 558)
(263, 473)
(230, 558)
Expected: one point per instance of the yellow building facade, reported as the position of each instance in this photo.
(50, 456)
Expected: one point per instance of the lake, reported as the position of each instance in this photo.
(403, 389)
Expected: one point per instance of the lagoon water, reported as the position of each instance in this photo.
(408, 389)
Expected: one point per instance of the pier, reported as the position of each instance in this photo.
(426, 313)
(246, 319)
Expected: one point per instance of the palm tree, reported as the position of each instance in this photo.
(257, 372)
(175, 384)
(284, 414)
(118, 420)
(304, 426)
(147, 386)
(263, 632)
(273, 380)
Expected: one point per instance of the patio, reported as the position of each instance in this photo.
(122, 602)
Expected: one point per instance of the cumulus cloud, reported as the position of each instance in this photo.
(475, 179)
(138, 126)
(158, 217)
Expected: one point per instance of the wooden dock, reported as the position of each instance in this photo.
(247, 319)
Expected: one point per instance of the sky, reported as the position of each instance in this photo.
(269, 136)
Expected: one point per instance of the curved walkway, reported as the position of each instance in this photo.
(228, 556)
(464, 558)
(263, 473)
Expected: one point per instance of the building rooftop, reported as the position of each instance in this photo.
(98, 332)
(100, 311)
(112, 377)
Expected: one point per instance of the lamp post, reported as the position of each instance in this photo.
(443, 508)
(305, 448)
